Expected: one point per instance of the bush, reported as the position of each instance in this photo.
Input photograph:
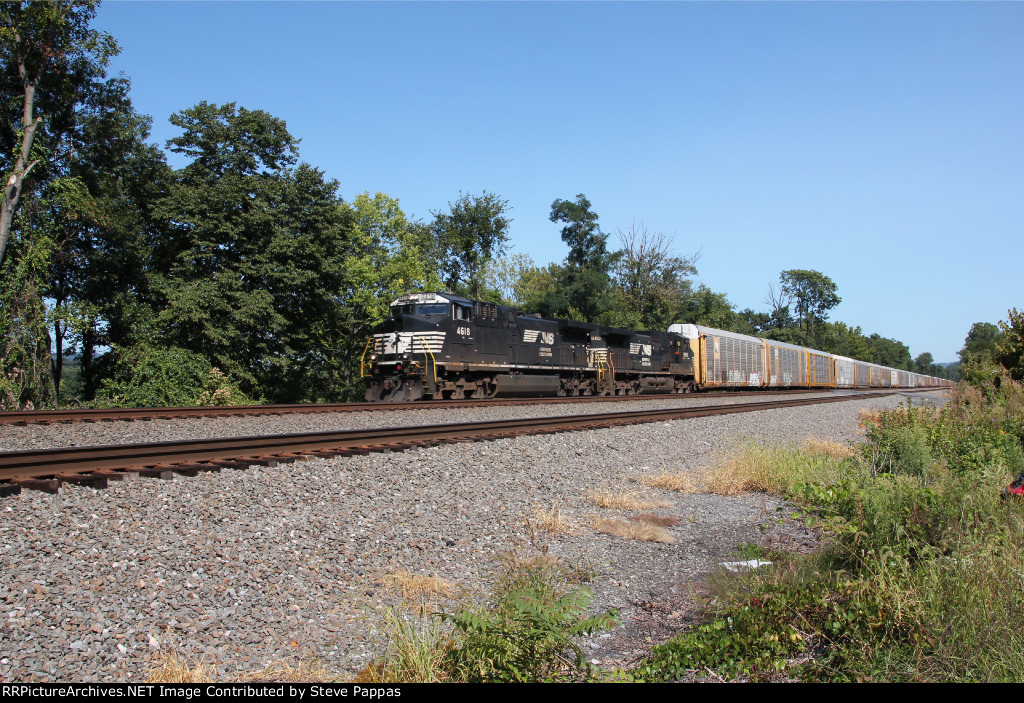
(920, 576)
(525, 634)
(146, 377)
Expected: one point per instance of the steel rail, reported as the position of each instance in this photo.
(33, 417)
(46, 469)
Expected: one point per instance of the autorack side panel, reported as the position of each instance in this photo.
(846, 372)
(820, 369)
(729, 359)
(787, 364)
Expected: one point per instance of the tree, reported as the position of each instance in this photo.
(982, 339)
(844, 340)
(587, 244)
(514, 280)
(54, 61)
(778, 302)
(814, 294)
(255, 258)
(890, 352)
(924, 362)
(470, 234)
(386, 255)
(101, 214)
(584, 284)
(1010, 349)
(653, 283)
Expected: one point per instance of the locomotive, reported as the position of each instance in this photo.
(443, 346)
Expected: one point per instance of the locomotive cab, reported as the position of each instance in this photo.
(402, 358)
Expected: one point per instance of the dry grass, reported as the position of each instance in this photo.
(177, 668)
(834, 450)
(626, 500)
(644, 531)
(417, 586)
(652, 519)
(752, 469)
(551, 520)
(684, 482)
(174, 667)
(311, 671)
(870, 417)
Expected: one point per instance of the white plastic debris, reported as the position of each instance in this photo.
(744, 565)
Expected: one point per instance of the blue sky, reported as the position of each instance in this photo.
(879, 143)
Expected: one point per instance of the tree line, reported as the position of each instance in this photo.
(244, 276)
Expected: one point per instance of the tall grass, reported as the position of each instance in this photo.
(922, 574)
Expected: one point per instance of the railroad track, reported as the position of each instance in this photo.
(46, 417)
(47, 469)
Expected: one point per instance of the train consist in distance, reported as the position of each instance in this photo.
(437, 345)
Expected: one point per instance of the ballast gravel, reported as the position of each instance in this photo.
(15, 437)
(245, 569)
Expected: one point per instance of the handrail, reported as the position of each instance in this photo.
(362, 359)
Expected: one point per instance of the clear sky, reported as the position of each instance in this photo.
(879, 143)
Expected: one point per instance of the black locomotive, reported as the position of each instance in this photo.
(437, 345)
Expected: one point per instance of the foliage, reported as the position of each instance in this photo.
(1010, 349)
(524, 634)
(653, 284)
(516, 281)
(26, 379)
(919, 579)
(813, 293)
(56, 63)
(145, 376)
(527, 636)
(250, 274)
(583, 288)
(889, 352)
(981, 339)
(472, 233)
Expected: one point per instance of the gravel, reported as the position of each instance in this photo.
(244, 569)
(14, 437)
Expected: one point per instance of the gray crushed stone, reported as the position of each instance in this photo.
(244, 569)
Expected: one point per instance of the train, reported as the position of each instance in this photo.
(443, 346)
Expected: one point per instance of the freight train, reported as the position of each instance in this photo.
(443, 346)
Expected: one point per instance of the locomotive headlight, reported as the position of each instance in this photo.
(373, 357)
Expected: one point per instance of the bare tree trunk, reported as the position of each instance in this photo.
(22, 166)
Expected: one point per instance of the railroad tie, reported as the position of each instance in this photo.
(46, 485)
(92, 480)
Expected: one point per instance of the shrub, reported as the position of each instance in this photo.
(146, 376)
(525, 633)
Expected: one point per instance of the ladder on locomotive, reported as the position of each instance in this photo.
(605, 375)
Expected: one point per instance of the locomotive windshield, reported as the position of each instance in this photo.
(425, 310)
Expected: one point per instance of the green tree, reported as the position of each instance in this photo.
(256, 252)
(54, 71)
(982, 338)
(54, 61)
(924, 362)
(654, 285)
(515, 280)
(584, 284)
(387, 255)
(1010, 349)
(710, 309)
(813, 293)
(101, 215)
(843, 340)
(468, 236)
(890, 352)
